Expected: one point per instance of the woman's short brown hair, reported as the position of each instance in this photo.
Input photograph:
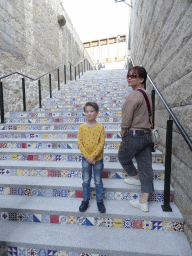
(141, 72)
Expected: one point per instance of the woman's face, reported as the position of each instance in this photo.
(133, 79)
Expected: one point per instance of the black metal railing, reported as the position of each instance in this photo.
(83, 65)
(169, 136)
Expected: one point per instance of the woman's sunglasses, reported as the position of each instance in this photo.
(132, 76)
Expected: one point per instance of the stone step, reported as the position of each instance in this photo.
(66, 211)
(33, 154)
(53, 120)
(67, 169)
(89, 240)
(58, 126)
(50, 134)
(114, 189)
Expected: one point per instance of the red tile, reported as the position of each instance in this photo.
(51, 173)
(109, 135)
(78, 193)
(24, 145)
(35, 157)
(50, 114)
(137, 224)
(69, 135)
(54, 218)
(30, 157)
(57, 120)
(14, 127)
(105, 174)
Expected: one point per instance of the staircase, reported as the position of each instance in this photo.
(41, 184)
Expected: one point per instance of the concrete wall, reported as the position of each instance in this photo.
(161, 41)
(33, 42)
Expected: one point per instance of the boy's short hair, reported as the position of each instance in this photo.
(92, 104)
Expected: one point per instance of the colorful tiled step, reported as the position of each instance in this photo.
(50, 134)
(66, 211)
(66, 169)
(59, 240)
(45, 120)
(114, 189)
(58, 154)
(58, 126)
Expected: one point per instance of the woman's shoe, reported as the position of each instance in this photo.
(84, 205)
(137, 204)
(132, 181)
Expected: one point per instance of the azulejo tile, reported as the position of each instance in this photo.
(137, 224)
(45, 218)
(63, 219)
(28, 217)
(22, 251)
(177, 226)
(20, 217)
(62, 253)
(52, 253)
(4, 216)
(100, 222)
(167, 226)
(43, 252)
(37, 218)
(12, 251)
(90, 221)
(72, 220)
(127, 223)
(147, 225)
(81, 220)
(118, 223)
(12, 216)
(108, 222)
(32, 252)
(157, 225)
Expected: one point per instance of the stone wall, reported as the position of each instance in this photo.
(161, 41)
(32, 42)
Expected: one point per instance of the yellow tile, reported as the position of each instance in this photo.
(118, 223)
(45, 120)
(119, 113)
(14, 157)
(19, 172)
(46, 136)
(18, 127)
(6, 191)
(117, 146)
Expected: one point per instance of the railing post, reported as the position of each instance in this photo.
(24, 97)
(58, 79)
(65, 74)
(153, 108)
(166, 206)
(70, 73)
(79, 70)
(75, 72)
(50, 89)
(39, 83)
(82, 67)
(1, 103)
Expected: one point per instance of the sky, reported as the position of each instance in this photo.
(96, 19)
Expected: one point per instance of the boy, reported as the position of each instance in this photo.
(91, 141)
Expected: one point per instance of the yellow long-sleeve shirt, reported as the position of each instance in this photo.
(91, 141)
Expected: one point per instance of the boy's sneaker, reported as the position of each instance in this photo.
(101, 206)
(84, 205)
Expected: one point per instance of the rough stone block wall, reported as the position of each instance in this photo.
(32, 42)
(161, 41)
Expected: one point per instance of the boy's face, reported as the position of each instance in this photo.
(90, 113)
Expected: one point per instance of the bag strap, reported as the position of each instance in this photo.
(148, 104)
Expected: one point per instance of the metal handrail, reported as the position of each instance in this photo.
(178, 124)
(34, 79)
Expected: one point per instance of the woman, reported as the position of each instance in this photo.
(136, 138)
